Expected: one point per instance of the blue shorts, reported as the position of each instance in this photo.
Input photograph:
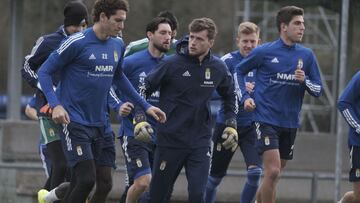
(81, 142)
(354, 174)
(221, 157)
(107, 155)
(273, 137)
(138, 155)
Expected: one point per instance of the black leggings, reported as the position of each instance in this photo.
(58, 164)
(83, 176)
(103, 184)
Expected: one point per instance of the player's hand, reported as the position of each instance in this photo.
(299, 75)
(60, 116)
(125, 109)
(249, 104)
(157, 113)
(250, 87)
(46, 110)
(230, 136)
(143, 131)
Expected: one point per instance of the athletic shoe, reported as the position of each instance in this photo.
(41, 195)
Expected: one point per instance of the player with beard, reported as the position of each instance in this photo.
(139, 154)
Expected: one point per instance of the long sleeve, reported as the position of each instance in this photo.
(252, 61)
(155, 78)
(313, 79)
(226, 90)
(33, 61)
(123, 84)
(113, 100)
(349, 100)
(57, 61)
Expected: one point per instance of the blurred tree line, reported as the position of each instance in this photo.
(44, 16)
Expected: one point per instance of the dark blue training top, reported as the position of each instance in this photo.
(349, 106)
(243, 117)
(39, 53)
(278, 96)
(136, 67)
(186, 87)
(88, 68)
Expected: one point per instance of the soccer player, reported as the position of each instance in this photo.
(75, 20)
(247, 39)
(284, 71)
(139, 154)
(89, 62)
(349, 107)
(142, 44)
(105, 161)
(186, 82)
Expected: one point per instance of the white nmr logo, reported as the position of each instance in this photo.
(284, 76)
(102, 68)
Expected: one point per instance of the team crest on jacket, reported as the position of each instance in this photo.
(116, 57)
(207, 74)
(300, 63)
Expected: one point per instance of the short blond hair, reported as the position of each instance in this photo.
(248, 28)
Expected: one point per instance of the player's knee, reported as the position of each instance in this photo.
(273, 173)
(86, 181)
(356, 196)
(253, 175)
(213, 182)
(143, 182)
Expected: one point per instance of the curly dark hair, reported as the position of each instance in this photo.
(109, 7)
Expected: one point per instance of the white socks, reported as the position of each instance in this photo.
(51, 196)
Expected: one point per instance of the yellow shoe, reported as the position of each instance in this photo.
(41, 194)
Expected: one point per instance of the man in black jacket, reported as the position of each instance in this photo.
(187, 81)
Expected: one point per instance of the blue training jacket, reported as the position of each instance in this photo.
(349, 106)
(39, 53)
(278, 96)
(243, 117)
(136, 68)
(186, 87)
(88, 68)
